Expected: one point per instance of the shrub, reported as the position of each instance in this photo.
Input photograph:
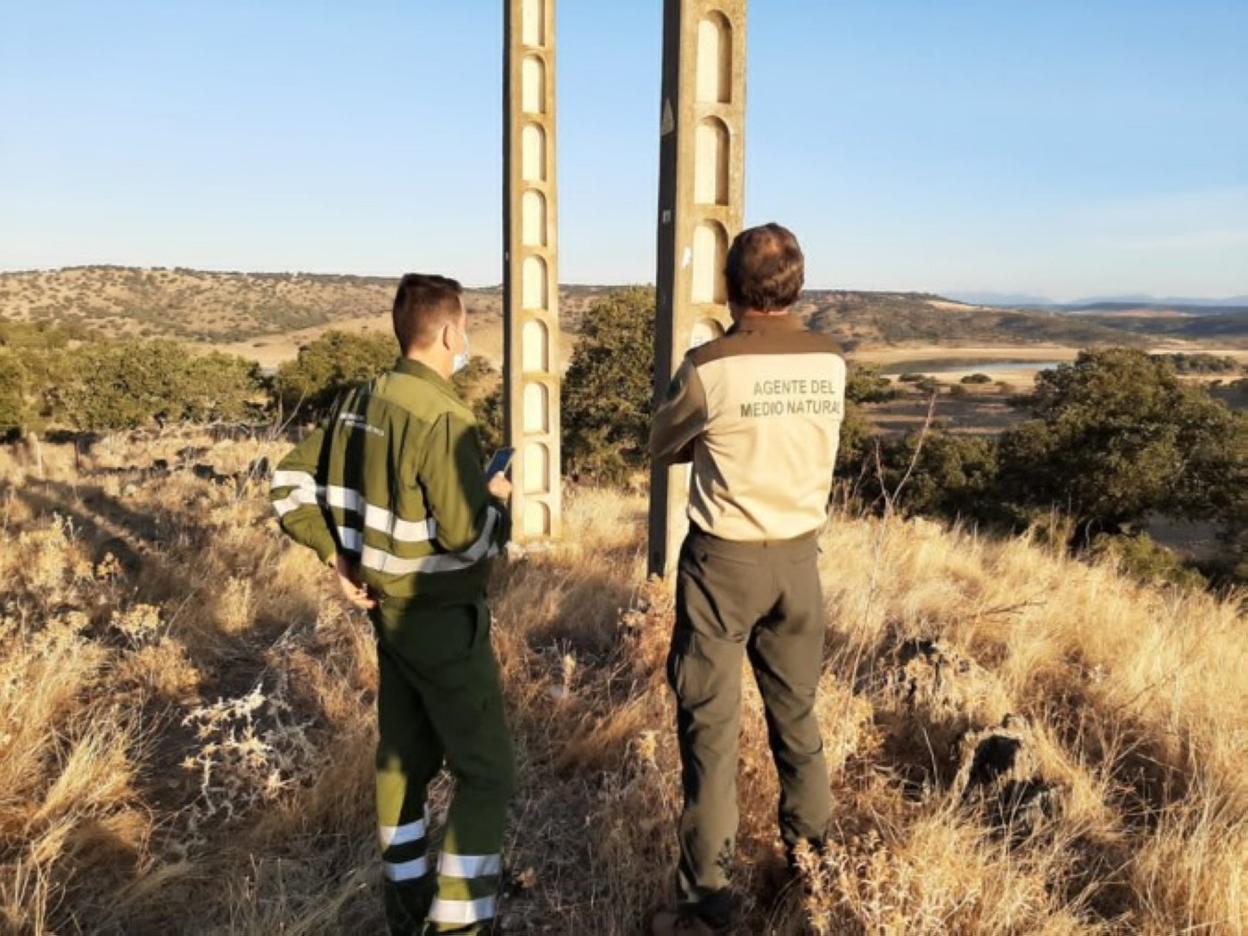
(1144, 559)
(481, 386)
(608, 388)
(220, 387)
(865, 384)
(128, 384)
(976, 378)
(1200, 363)
(1117, 435)
(329, 365)
(855, 443)
(954, 476)
(119, 385)
(14, 383)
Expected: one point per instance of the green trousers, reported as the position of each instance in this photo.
(440, 703)
(764, 601)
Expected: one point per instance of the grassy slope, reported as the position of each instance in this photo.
(186, 729)
(1212, 327)
(219, 307)
(247, 311)
(913, 318)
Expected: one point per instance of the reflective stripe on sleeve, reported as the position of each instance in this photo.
(387, 563)
(306, 494)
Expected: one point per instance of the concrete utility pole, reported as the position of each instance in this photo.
(701, 199)
(531, 372)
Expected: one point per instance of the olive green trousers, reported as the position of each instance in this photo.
(762, 601)
(440, 703)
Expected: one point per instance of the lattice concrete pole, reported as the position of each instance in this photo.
(701, 197)
(531, 372)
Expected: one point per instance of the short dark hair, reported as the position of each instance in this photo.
(422, 305)
(765, 268)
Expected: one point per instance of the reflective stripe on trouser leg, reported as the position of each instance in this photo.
(465, 705)
(404, 849)
(409, 755)
(467, 888)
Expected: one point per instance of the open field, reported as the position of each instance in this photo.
(186, 725)
(1007, 363)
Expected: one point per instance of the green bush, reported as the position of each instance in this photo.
(220, 387)
(911, 377)
(608, 389)
(855, 442)
(128, 384)
(14, 386)
(976, 378)
(865, 384)
(1116, 436)
(1144, 559)
(953, 476)
(329, 365)
(481, 386)
(1200, 363)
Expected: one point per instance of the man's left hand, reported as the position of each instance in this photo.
(353, 588)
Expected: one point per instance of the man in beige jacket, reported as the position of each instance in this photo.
(758, 412)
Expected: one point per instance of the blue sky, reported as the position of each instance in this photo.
(1059, 148)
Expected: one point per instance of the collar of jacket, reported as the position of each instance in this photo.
(766, 323)
(424, 372)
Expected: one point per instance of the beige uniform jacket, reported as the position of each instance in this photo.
(758, 412)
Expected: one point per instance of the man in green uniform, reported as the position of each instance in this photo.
(391, 493)
(758, 413)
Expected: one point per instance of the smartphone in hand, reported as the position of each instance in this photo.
(500, 462)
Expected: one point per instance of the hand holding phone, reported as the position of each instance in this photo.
(500, 462)
(495, 477)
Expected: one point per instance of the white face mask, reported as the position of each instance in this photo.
(461, 359)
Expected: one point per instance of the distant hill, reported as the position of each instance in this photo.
(1143, 308)
(250, 312)
(1137, 300)
(1133, 301)
(189, 304)
(1228, 326)
(213, 306)
(863, 319)
(1000, 299)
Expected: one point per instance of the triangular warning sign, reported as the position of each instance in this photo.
(669, 119)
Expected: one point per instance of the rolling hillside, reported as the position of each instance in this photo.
(267, 315)
(866, 319)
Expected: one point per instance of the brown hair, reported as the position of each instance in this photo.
(765, 269)
(422, 305)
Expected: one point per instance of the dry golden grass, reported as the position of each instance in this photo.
(186, 726)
